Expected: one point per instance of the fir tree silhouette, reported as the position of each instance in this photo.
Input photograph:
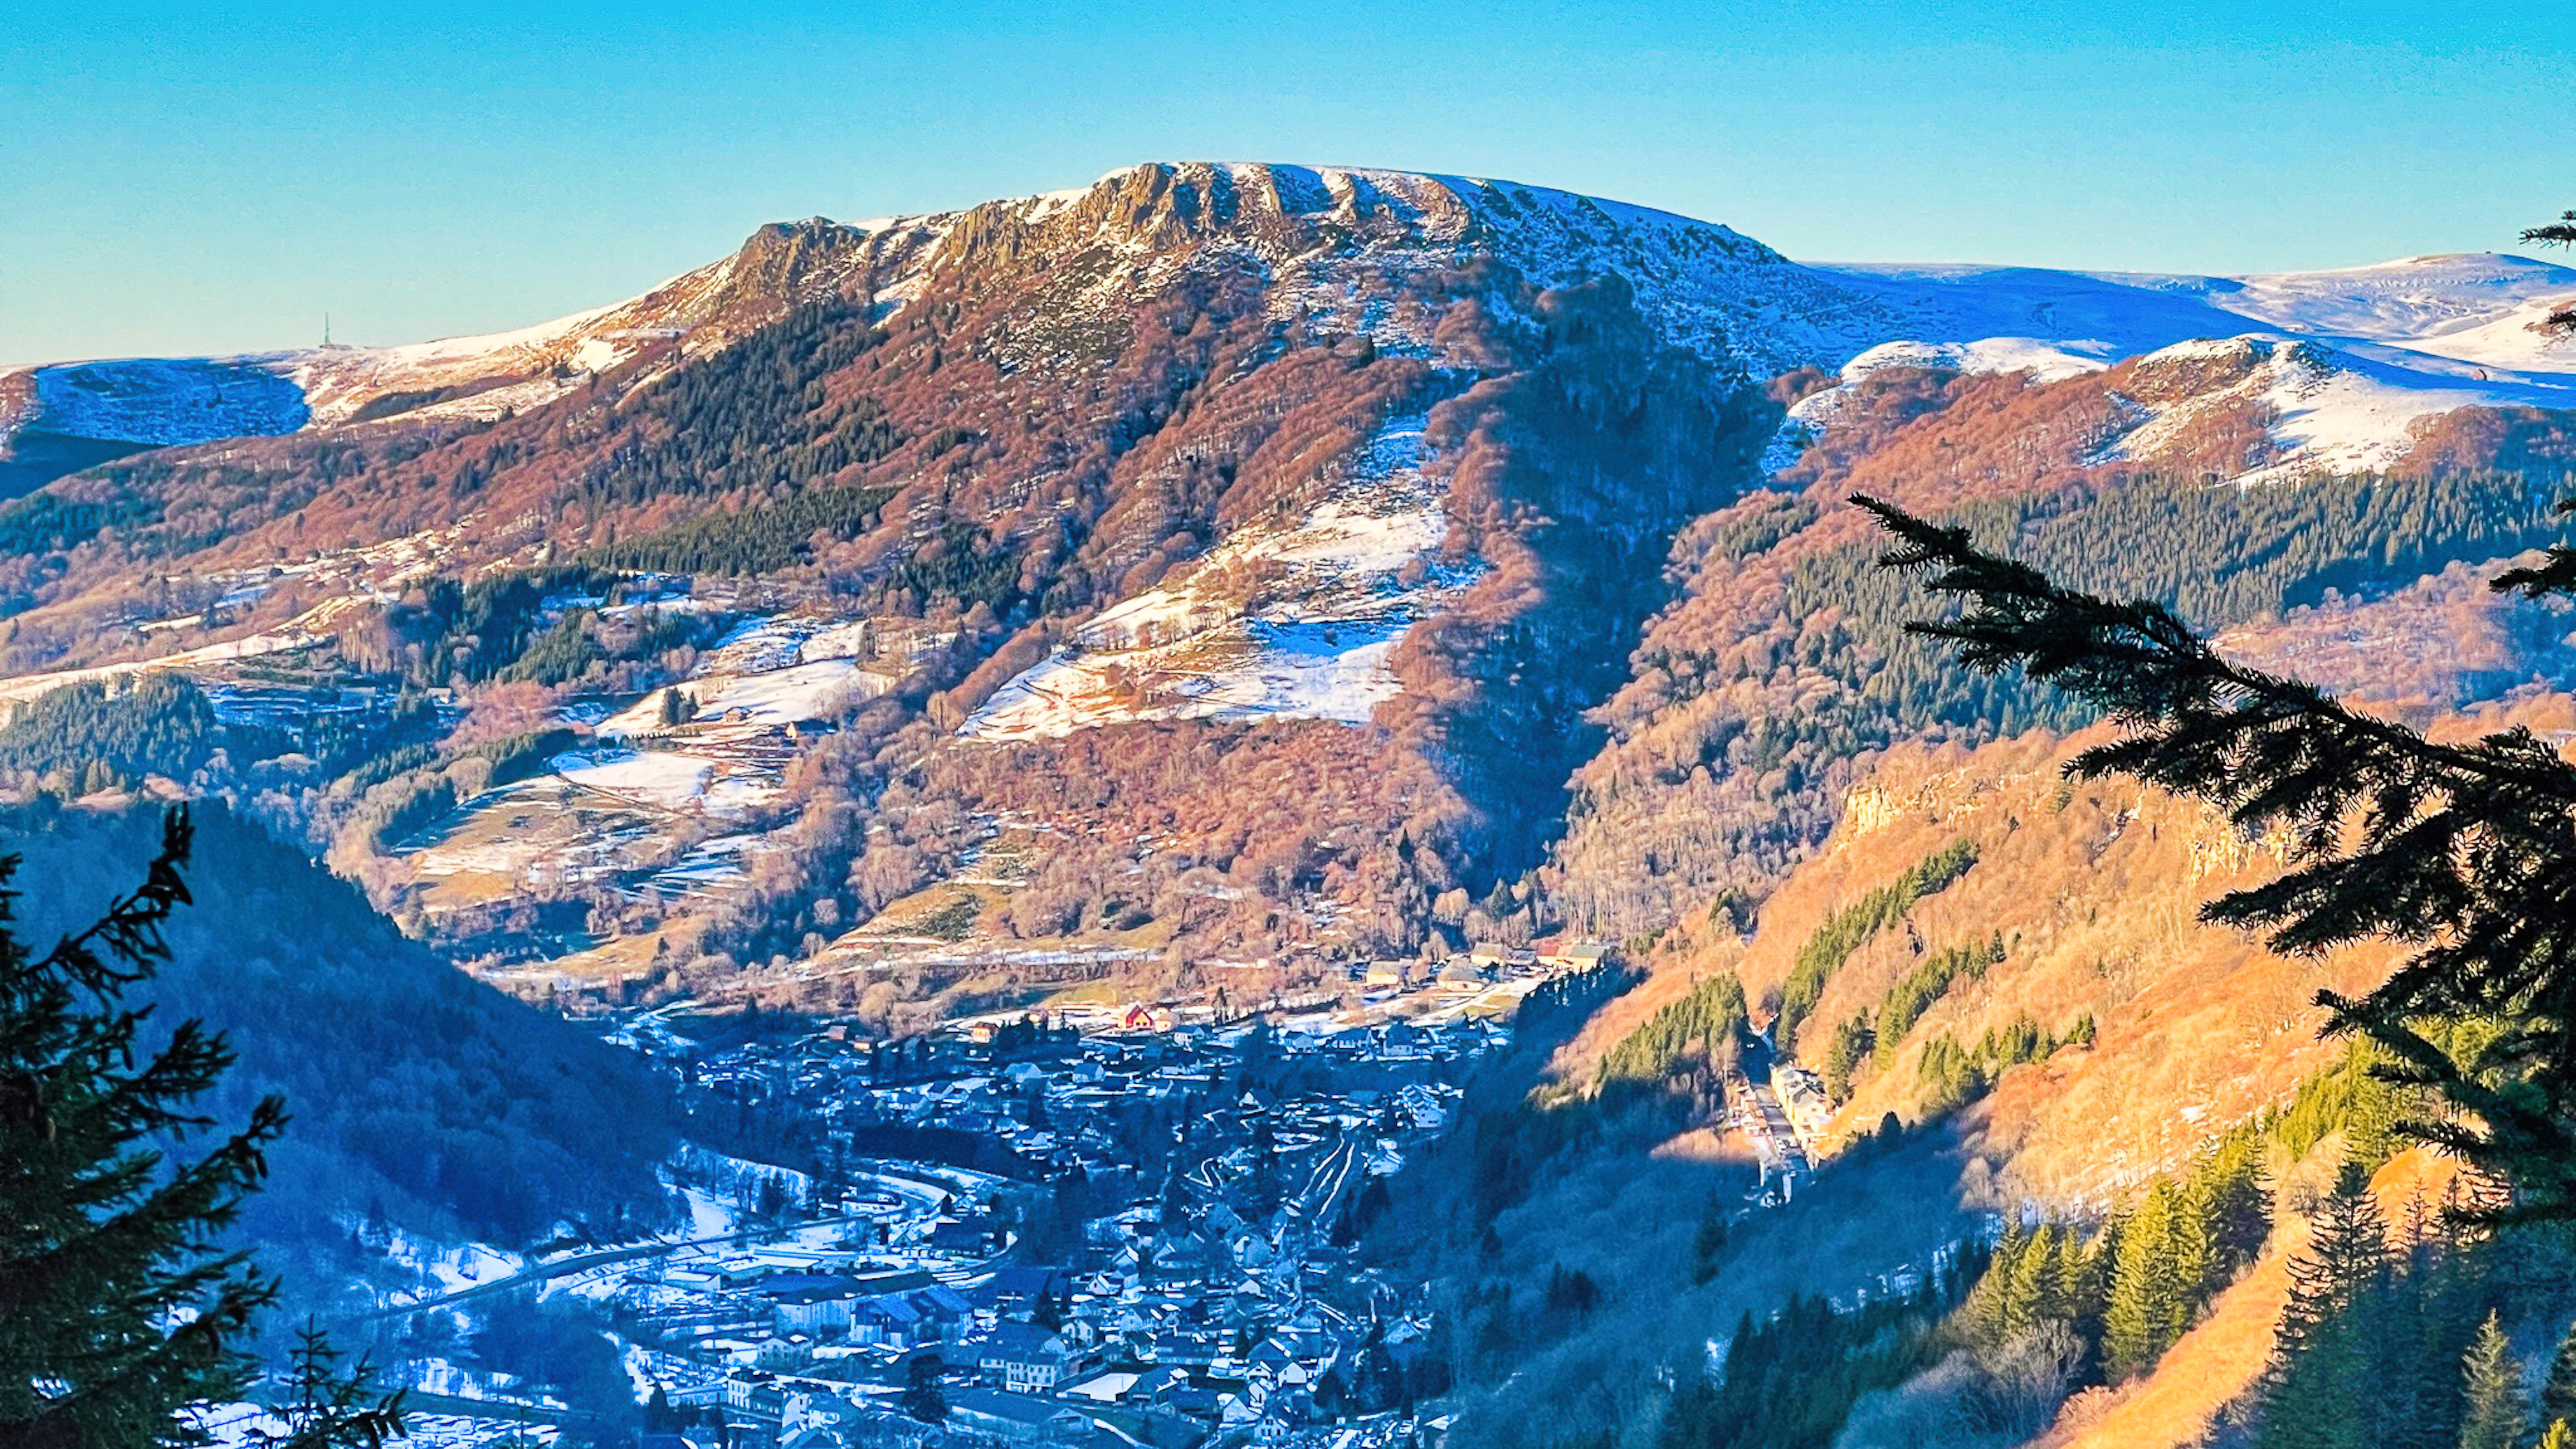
(121, 1319)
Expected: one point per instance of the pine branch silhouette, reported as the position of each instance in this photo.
(2466, 851)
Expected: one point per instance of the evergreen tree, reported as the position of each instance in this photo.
(2235, 1212)
(1852, 1043)
(2316, 1400)
(1850, 928)
(2147, 1309)
(117, 1314)
(2495, 1411)
(1374, 1201)
(2464, 849)
(2347, 1248)
(1706, 1021)
(1708, 1244)
(2558, 1390)
(2083, 1282)
(1986, 1316)
(2030, 1297)
(922, 1397)
(2312, 1388)
(2559, 233)
(2198, 1266)
(320, 1405)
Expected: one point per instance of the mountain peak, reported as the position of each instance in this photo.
(1323, 230)
(1283, 207)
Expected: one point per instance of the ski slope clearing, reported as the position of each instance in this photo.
(1299, 621)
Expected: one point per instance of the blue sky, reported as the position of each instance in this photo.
(212, 179)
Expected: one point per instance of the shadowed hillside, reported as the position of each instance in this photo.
(418, 1096)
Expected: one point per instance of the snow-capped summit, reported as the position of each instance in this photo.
(2447, 331)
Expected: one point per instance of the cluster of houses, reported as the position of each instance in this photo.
(1152, 1245)
(1803, 1096)
(1483, 965)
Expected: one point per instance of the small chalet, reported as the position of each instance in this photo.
(1562, 953)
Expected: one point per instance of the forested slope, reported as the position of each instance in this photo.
(417, 1093)
(1756, 698)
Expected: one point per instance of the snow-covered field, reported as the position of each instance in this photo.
(1238, 670)
(668, 780)
(167, 401)
(2470, 309)
(2475, 307)
(673, 781)
(1298, 621)
(817, 690)
(449, 1267)
(2335, 411)
(719, 1189)
(722, 758)
(604, 811)
(2043, 361)
(777, 641)
(704, 868)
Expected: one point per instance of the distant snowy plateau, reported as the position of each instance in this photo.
(2348, 359)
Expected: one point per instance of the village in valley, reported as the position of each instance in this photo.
(1110, 1226)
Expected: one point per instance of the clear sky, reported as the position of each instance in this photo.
(211, 179)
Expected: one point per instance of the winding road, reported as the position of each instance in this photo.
(924, 1197)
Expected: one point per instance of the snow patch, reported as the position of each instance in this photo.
(818, 690)
(2351, 361)
(452, 1267)
(165, 402)
(2334, 411)
(2441, 317)
(2044, 361)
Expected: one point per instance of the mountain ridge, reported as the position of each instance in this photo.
(2479, 312)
